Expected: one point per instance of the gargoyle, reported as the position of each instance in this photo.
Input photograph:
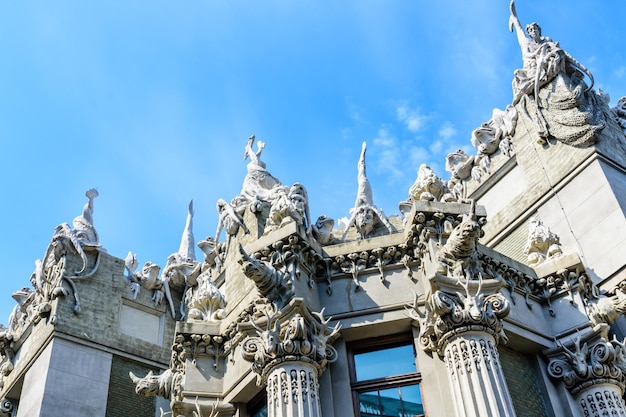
(271, 283)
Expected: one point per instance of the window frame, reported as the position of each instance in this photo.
(393, 381)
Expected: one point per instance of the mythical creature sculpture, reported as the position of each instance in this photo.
(541, 244)
(604, 309)
(258, 181)
(288, 204)
(51, 271)
(271, 283)
(229, 219)
(428, 186)
(365, 215)
(323, 230)
(458, 255)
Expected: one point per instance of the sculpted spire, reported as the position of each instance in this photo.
(365, 215)
(187, 242)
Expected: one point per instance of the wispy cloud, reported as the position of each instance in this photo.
(387, 154)
(412, 119)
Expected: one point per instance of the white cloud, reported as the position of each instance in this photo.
(387, 154)
(447, 131)
(436, 147)
(412, 119)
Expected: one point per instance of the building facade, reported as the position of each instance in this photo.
(499, 292)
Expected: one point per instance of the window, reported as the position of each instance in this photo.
(384, 378)
(258, 406)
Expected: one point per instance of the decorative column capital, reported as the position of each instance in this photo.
(291, 335)
(448, 315)
(597, 363)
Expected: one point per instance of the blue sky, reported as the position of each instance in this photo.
(152, 104)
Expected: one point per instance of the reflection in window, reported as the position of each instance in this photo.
(396, 402)
(385, 380)
(262, 412)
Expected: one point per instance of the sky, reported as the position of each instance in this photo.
(152, 104)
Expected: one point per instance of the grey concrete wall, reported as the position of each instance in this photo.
(67, 379)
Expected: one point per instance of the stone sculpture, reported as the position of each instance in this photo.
(604, 309)
(154, 385)
(51, 271)
(273, 284)
(258, 182)
(543, 59)
(204, 300)
(229, 219)
(288, 204)
(147, 277)
(458, 256)
(303, 339)
(593, 373)
(428, 186)
(365, 215)
(567, 111)
(492, 135)
(323, 230)
(541, 244)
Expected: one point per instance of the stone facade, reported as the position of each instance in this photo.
(506, 284)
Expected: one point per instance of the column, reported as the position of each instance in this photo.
(593, 374)
(292, 390)
(465, 332)
(289, 354)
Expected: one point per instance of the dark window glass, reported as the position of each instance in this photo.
(262, 412)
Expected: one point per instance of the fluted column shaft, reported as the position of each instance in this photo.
(475, 375)
(601, 400)
(292, 391)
